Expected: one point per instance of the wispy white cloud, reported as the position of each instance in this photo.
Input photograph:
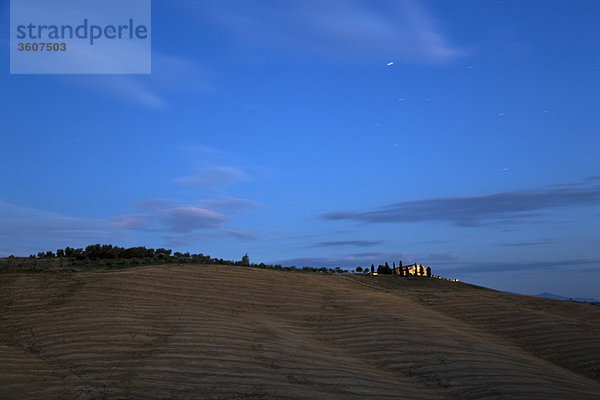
(26, 230)
(230, 204)
(130, 88)
(241, 234)
(170, 75)
(200, 217)
(405, 30)
(191, 238)
(344, 243)
(214, 177)
(155, 204)
(137, 222)
(436, 257)
(165, 215)
(180, 219)
(187, 219)
(434, 44)
(221, 204)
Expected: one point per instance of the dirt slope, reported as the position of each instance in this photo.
(204, 332)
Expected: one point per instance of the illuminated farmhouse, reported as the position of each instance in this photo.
(406, 270)
(412, 270)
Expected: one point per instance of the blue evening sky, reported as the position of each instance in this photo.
(457, 134)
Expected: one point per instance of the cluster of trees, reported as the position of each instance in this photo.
(110, 252)
(381, 269)
(105, 252)
(98, 252)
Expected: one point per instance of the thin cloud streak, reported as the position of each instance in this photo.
(437, 257)
(193, 238)
(506, 207)
(241, 234)
(349, 260)
(342, 243)
(181, 219)
(23, 229)
(214, 177)
(527, 244)
(188, 219)
(230, 204)
(138, 222)
(533, 266)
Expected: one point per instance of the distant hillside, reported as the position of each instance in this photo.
(230, 332)
(557, 297)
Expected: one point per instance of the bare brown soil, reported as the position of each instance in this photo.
(207, 332)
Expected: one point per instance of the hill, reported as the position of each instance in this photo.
(559, 297)
(225, 332)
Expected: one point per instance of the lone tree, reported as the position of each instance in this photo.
(245, 260)
(358, 269)
(428, 271)
(372, 268)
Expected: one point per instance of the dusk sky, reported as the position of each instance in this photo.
(463, 135)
